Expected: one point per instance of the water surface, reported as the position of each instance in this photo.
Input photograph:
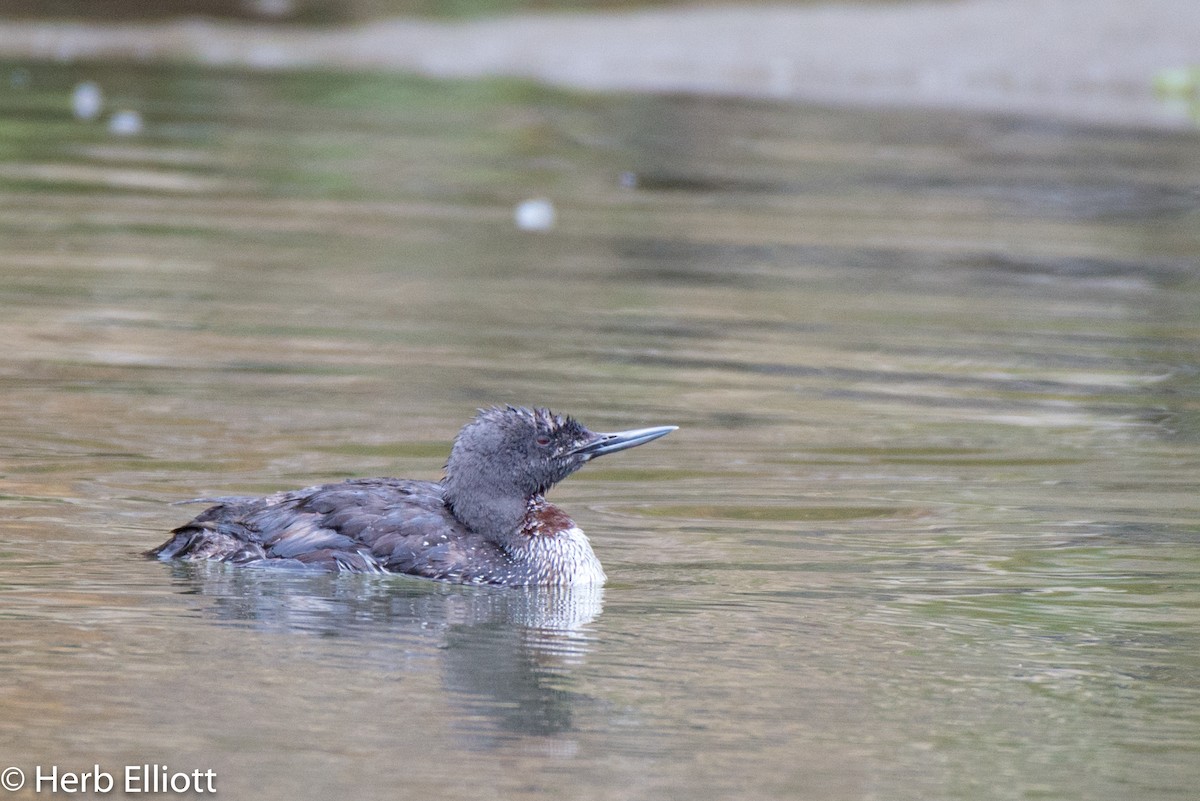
(929, 529)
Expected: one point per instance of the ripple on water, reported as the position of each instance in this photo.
(927, 530)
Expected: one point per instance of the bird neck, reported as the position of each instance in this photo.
(543, 543)
(492, 512)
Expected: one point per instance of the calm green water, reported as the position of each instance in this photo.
(930, 528)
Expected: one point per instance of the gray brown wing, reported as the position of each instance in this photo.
(362, 525)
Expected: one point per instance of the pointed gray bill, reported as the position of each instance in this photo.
(619, 441)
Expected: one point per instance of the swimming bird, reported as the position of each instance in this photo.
(486, 522)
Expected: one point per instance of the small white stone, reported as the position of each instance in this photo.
(87, 100)
(536, 214)
(125, 123)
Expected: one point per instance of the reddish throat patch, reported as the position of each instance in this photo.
(544, 519)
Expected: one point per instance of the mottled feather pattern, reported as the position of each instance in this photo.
(362, 526)
(486, 522)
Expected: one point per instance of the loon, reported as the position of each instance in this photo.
(486, 522)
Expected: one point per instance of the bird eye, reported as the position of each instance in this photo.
(542, 440)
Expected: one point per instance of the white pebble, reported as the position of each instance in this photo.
(87, 100)
(535, 215)
(125, 123)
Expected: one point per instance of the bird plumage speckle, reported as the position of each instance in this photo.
(486, 522)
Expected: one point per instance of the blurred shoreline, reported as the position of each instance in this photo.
(1087, 61)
